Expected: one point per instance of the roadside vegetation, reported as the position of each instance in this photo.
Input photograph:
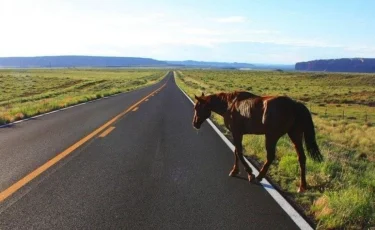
(342, 188)
(28, 92)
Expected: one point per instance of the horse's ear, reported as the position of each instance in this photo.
(202, 94)
(198, 99)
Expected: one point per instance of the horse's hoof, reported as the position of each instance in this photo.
(251, 177)
(301, 190)
(233, 173)
(259, 179)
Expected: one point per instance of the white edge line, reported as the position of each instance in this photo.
(284, 204)
(62, 109)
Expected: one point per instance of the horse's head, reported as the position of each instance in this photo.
(202, 111)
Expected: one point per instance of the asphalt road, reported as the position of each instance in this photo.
(152, 171)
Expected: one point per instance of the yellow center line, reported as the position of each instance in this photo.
(135, 109)
(105, 133)
(19, 184)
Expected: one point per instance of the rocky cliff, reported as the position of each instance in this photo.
(360, 65)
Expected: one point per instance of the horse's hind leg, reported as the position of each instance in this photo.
(237, 139)
(235, 170)
(271, 142)
(296, 137)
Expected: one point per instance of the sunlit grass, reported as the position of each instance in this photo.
(28, 92)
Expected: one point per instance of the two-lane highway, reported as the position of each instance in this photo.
(149, 169)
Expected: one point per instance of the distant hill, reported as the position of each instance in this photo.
(203, 64)
(99, 61)
(360, 65)
(78, 61)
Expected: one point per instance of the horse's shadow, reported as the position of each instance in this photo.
(239, 177)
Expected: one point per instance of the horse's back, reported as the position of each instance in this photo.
(262, 114)
(281, 103)
(243, 95)
(279, 112)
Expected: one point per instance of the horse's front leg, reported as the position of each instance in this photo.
(237, 139)
(271, 142)
(235, 170)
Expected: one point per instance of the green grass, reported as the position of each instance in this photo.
(342, 188)
(28, 92)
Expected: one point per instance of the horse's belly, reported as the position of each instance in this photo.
(254, 128)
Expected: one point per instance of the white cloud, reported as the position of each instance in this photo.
(301, 42)
(361, 51)
(361, 48)
(232, 19)
(201, 31)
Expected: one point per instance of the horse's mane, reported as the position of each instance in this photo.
(236, 95)
(222, 100)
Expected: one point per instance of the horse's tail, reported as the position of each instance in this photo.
(309, 132)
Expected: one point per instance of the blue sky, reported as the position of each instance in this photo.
(254, 31)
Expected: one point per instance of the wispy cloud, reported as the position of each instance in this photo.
(231, 19)
(361, 51)
(201, 31)
(302, 42)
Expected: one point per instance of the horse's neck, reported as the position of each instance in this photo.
(220, 104)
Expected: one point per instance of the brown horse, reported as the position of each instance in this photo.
(272, 116)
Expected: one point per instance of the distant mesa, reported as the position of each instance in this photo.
(359, 65)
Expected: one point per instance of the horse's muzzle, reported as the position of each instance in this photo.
(197, 122)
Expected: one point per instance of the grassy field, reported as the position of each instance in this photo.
(28, 92)
(342, 188)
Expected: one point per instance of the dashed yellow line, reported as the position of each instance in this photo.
(19, 184)
(105, 133)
